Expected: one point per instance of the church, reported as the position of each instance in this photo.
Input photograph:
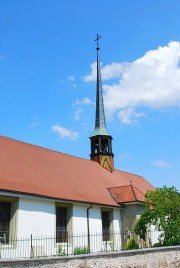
(45, 193)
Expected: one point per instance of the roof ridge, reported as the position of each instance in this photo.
(112, 196)
(119, 186)
(129, 172)
(41, 147)
(138, 189)
(132, 186)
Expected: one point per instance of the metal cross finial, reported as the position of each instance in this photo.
(97, 40)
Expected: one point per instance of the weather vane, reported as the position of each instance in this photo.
(97, 40)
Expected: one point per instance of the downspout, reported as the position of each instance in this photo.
(88, 232)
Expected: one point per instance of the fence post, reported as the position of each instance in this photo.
(32, 253)
(67, 239)
(106, 239)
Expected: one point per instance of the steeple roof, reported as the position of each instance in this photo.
(100, 123)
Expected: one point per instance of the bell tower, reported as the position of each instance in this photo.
(101, 140)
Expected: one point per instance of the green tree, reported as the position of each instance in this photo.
(162, 209)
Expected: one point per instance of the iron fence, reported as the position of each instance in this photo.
(72, 244)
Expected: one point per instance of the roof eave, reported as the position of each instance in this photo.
(60, 199)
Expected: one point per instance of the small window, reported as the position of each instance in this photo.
(106, 225)
(61, 225)
(5, 217)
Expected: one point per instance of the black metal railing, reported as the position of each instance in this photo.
(73, 244)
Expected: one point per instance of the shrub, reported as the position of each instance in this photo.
(131, 245)
(81, 250)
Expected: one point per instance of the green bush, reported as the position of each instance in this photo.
(80, 250)
(131, 245)
(166, 243)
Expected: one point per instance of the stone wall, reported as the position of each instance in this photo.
(147, 258)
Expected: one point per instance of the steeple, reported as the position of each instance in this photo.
(100, 123)
(101, 140)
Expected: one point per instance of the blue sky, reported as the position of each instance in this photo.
(47, 79)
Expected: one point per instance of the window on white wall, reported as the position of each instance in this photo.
(5, 216)
(8, 215)
(106, 225)
(61, 225)
(63, 222)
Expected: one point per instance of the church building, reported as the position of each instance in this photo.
(45, 193)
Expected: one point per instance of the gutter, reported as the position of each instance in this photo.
(88, 231)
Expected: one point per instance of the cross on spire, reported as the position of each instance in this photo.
(97, 40)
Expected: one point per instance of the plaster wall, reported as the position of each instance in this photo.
(35, 216)
(130, 214)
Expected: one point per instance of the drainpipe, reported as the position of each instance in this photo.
(88, 227)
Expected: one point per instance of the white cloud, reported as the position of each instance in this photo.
(92, 76)
(129, 116)
(78, 112)
(36, 123)
(161, 163)
(151, 81)
(78, 103)
(84, 101)
(64, 132)
(110, 71)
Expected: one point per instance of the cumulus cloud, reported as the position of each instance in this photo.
(126, 116)
(110, 71)
(161, 163)
(65, 133)
(151, 81)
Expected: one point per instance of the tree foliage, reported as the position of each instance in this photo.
(162, 209)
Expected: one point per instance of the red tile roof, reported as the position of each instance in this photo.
(31, 169)
(124, 194)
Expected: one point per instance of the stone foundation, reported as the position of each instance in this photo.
(168, 257)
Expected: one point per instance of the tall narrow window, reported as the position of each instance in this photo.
(5, 215)
(106, 225)
(61, 225)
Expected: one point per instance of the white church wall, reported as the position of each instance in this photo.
(117, 229)
(36, 217)
(79, 221)
(80, 226)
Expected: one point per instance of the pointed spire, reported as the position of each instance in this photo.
(100, 123)
(101, 141)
